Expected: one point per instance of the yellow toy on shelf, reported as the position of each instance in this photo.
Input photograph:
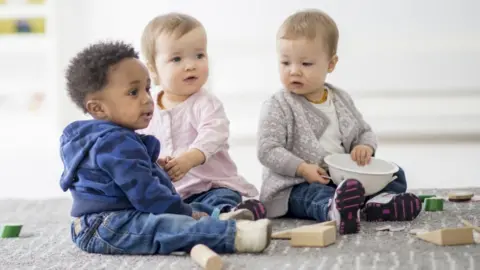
(37, 25)
(26, 2)
(7, 26)
(13, 26)
(36, 2)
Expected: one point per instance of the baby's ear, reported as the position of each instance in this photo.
(332, 64)
(153, 73)
(96, 109)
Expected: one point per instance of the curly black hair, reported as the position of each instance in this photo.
(87, 71)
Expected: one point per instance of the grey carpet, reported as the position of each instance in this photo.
(45, 244)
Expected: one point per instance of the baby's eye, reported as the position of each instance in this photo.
(148, 89)
(133, 92)
(285, 63)
(176, 59)
(307, 64)
(200, 55)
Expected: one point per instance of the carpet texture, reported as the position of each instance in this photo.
(45, 243)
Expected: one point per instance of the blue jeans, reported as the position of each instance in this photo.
(138, 233)
(311, 201)
(223, 198)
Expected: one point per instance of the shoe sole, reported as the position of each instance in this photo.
(349, 198)
(403, 207)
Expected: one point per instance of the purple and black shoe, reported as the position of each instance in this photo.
(393, 207)
(255, 206)
(345, 208)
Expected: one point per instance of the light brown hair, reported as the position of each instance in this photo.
(311, 24)
(176, 24)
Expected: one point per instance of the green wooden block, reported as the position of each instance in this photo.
(433, 204)
(10, 230)
(425, 196)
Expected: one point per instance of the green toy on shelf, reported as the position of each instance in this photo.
(10, 230)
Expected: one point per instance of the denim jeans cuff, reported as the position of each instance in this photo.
(230, 236)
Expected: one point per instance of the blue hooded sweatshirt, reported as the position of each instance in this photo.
(109, 168)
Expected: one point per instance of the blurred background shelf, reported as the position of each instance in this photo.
(22, 11)
(25, 54)
(24, 42)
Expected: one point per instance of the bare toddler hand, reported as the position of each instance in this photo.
(313, 173)
(199, 215)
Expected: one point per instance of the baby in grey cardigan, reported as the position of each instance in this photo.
(311, 119)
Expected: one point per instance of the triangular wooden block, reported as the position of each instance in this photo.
(282, 234)
(449, 236)
(287, 234)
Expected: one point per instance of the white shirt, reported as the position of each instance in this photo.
(331, 139)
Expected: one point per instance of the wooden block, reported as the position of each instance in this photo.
(287, 234)
(462, 196)
(206, 258)
(449, 236)
(422, 197)
(10, 230)
(434, 204)
(320, 236)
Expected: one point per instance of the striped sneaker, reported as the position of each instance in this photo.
(393, 207)
(255, 206)
(345, 208)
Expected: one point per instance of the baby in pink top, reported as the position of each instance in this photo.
(190, 122)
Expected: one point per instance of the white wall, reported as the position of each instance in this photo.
(411, 65)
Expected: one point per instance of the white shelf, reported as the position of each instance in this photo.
(24, 42)
(17, 87)
(22, 11)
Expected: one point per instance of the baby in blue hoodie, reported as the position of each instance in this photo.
(123, 202)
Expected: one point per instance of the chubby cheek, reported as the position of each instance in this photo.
(283, 73)
(204, 70)
(172, 77)
(315, 77)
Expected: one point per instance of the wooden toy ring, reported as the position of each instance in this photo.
(460, 196)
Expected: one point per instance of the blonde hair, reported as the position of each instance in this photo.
(310, 24)
(176, 24)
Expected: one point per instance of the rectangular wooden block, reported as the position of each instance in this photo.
(287, 234)
(320, 236)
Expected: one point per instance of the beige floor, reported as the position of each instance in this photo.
(30, 164)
